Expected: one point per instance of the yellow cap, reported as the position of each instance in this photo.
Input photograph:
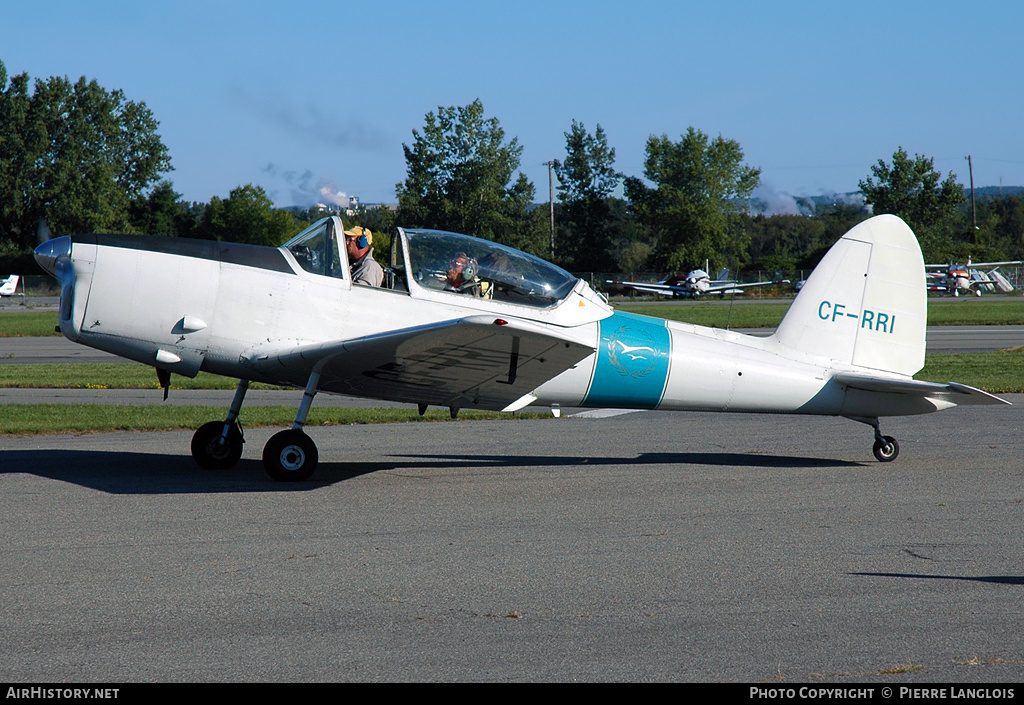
(359, 231)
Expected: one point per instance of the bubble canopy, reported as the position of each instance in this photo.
(508, 274)
(421, 259)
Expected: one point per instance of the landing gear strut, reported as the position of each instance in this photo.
(886, 448)
(217, 445)
(291, 456)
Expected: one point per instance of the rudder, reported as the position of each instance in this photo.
(866, 303)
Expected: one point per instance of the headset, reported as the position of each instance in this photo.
(469, 266)
(364, 238)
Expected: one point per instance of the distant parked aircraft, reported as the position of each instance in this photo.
(9, 286)
(968, 278)
(696, 283)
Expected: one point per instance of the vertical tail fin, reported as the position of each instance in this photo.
(866, 303)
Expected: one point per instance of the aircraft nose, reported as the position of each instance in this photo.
(50, 251)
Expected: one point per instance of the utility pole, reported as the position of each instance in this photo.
(551, 203)
(974, 212)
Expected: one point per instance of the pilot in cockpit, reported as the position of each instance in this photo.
(365, 269)
(462, 275)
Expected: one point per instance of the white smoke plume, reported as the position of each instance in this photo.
(766, 200)
(304, 189)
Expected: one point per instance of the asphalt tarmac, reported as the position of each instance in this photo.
(647, 547)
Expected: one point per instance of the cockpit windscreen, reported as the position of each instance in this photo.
(446, 261)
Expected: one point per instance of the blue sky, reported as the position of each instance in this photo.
(306, 95)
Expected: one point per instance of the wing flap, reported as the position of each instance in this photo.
(478, 361)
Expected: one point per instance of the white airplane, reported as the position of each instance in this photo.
(9, 286)
(848, 345)
(968, 278)
(696, 283)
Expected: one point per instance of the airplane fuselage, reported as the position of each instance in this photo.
(519, 332)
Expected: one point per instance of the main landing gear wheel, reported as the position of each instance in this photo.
(215, 451)
(290, 456)
(886, 449)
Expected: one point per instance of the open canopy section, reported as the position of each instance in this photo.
(446, 261)
(318, 248)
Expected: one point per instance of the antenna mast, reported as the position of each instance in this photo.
(551, 202)
(974, 212)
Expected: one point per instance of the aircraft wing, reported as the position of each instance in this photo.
(717, 286)
(477, 361)
(669, 289)
(977, 264)
(953, 392)
(664, 289)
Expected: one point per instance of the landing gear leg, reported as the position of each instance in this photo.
(217, 445)
(291, 456)
(886, 448)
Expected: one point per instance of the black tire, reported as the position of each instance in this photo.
(886, 451)
(212, 450)
(290, 456)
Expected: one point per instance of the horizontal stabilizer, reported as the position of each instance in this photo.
(952, 392)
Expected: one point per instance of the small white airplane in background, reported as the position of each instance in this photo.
(9, 286)
(696, 283)
(969, 278)
(848, 346)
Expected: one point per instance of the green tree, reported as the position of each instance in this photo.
(586, 180)
(247, 215)
(634, 250)
(460, 177)
(911, 189)
(1008, 213)
(780, 241)
(161, 212)
(700, 187)
(74, 155)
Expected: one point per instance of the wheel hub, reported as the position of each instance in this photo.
(292, 457)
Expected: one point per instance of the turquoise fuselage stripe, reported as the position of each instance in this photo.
(633, 355)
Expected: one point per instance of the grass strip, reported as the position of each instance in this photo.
(714, 315)
(997, 372)
(28, 323)
(39, 419)
(941, 312)
(106, 375)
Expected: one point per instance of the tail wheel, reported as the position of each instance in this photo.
(290, 456)
(886, 449)
(214, 450)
